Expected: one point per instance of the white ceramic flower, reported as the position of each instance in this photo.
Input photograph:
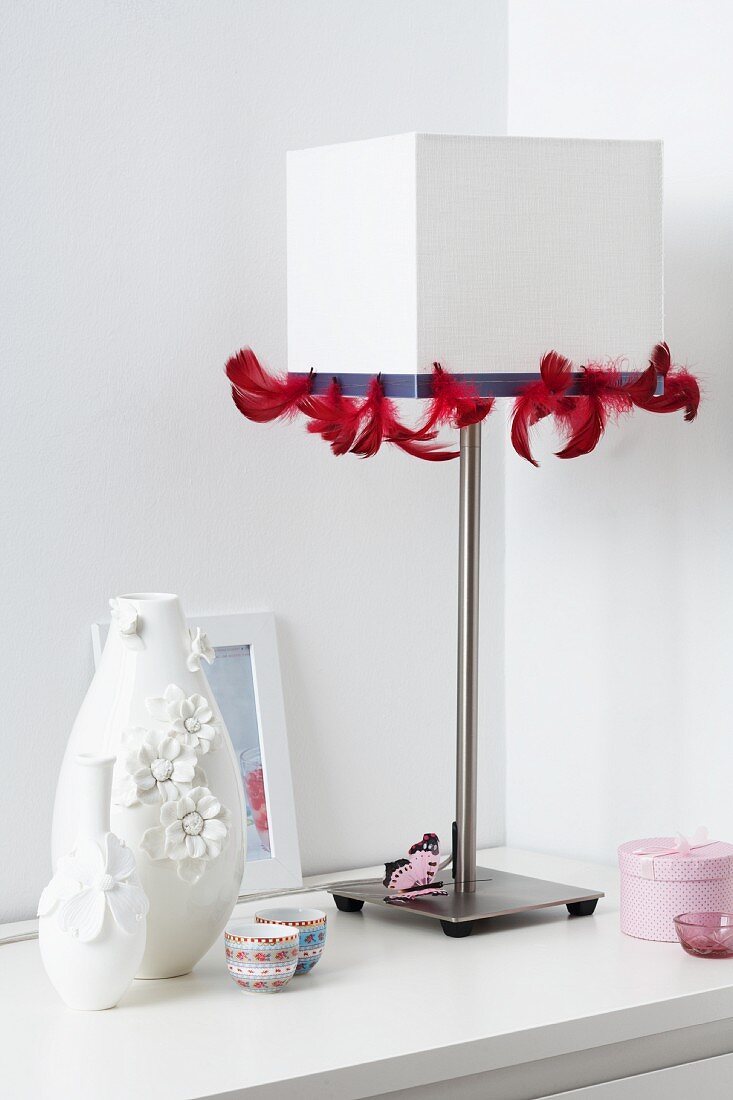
(124, 616)
(201, 650)
(192, 831)
(90, 881)
(125, 619)
(189, 718)
(158, 768)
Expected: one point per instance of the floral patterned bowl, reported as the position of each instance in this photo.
(311, 926)
(707, 935)
(261, 958)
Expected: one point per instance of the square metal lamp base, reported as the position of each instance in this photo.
(497, 894)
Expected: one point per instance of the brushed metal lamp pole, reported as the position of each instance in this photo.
(464, 841)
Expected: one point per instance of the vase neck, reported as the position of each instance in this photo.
(94, 791)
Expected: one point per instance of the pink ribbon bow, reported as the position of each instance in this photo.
(682, 847)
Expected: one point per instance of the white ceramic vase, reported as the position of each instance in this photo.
(177, 799)
(92, 913)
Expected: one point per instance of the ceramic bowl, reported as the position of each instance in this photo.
(311, 927)
(707, 935)
(261, 958)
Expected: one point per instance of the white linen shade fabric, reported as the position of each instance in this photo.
(480, 253)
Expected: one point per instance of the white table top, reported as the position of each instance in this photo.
(393, 1003)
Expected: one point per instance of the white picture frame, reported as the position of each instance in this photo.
(249, 641)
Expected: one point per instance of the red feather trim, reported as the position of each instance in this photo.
(541, 399)
(261, 396)
(603, 395)
(362, 427)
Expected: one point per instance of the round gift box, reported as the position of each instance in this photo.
(657, 888)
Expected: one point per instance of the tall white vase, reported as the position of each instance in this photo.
(92, 913)
(177, 799)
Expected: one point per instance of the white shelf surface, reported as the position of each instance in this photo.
(393, 1004)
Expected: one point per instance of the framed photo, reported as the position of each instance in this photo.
(245, 680)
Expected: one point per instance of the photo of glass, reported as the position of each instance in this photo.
(232, 683)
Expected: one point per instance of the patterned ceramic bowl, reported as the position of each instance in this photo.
(707, 935)
(311, 926)
(261, 958)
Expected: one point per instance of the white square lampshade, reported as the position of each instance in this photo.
(479, 252)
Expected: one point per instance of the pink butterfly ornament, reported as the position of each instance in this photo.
(413, 878)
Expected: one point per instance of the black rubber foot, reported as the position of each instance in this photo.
(348, 905)
(458, 929)
(582, 908)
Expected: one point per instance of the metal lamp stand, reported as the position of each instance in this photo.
(473, 893)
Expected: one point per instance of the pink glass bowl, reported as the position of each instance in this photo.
(706, 935)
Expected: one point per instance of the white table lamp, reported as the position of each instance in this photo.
(481, 254)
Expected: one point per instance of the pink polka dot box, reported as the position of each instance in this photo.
(664, 876)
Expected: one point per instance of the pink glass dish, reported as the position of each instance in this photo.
(706, 935)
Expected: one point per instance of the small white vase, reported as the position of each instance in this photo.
(177, 797)
(92, 913)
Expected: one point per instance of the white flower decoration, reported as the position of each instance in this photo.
(159, 768)
(189, 719)
(125, 618)
(90, 881)
(200, 650)
(192, 831)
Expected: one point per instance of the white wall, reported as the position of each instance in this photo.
(143, 229)
(618, 581)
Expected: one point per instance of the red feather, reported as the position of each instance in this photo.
(380, 423)
(642, 388)
(261, 396)
(587, 424)
(335, 418)
(603, 395)
(541, 399)
(455, 403)
(681, 389)
(556, 372)
(661, 358)
(525, 413)
(370, 436)
(418, 448)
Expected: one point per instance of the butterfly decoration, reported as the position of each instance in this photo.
(412, 878)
